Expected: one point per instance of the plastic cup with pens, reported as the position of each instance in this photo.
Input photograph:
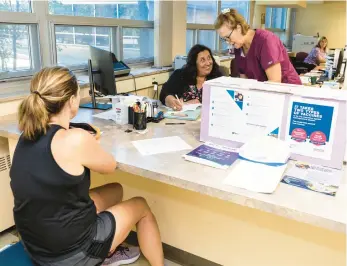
(140, 116)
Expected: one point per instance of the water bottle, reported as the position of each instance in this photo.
(330, 73)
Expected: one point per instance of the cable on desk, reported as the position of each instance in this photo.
(134, 83)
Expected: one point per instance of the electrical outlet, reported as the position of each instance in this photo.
(155, 85)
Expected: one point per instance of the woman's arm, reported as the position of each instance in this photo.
(320, 57)
(91, 153)
(173, 86)
(274, 73)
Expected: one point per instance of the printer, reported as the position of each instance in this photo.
(181, 60)
(302, 43)
(119, 67)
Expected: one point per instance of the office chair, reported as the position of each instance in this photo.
(299, 65)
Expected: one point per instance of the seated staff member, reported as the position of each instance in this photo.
(187, 82)
(59, 221)
(259, 53)
(317, 55)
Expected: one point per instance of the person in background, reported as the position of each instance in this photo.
(259, 54)
(318, 54)
(187, 83)
(61, 222)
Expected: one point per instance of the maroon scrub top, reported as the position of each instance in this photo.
(266, 50)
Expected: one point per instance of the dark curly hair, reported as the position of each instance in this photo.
(191, 70)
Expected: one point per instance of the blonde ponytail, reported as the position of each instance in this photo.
(50, 89)
(33, 117)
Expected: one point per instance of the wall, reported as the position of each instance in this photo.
(179, 25)
(329, 19)
(258, 10)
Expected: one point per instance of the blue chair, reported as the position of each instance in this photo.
(15, 255)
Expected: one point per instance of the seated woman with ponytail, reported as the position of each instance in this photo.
(60, 221)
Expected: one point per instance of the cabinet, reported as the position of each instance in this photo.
(6, 197)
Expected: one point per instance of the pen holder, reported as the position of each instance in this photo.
(140, 121)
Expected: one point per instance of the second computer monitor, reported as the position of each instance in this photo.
(102, 64)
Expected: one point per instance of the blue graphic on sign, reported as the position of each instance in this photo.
(311, 118)
(238, 98)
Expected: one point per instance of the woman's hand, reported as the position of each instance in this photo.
(194, 101)
(172, 102)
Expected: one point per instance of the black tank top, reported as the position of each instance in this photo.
(52, 209)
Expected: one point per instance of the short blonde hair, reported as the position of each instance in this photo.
(50, 89)
(231, 18)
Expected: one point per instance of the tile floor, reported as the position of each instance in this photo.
(10, 237)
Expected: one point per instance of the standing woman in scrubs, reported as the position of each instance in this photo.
(259, 54)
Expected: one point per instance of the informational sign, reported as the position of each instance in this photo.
(311, 127)
(239, 115)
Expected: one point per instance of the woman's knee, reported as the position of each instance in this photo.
(142, 203)
(116, 187)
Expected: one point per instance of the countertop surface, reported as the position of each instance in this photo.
(170, 168)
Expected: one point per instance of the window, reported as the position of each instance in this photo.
(133, 10)
(225, 46)
(15, 5)
(208, 38)
(276, 18)
(127, 23)
(138, 44)
(201, 12)
(17, 58)
(205, 12)
(72, 43)
(241, 6)
(189, 40)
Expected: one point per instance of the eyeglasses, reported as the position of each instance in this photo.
(226, 39)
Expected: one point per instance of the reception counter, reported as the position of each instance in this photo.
(198, 214)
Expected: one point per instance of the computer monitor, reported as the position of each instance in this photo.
(103, 72)
(339, 60)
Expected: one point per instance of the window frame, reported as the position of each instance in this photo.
(29, 19)
(116, 26)
(43, 40)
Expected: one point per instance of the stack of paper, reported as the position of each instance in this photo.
(213, 155)
(160, 145)
(261, 165)
(255, 177)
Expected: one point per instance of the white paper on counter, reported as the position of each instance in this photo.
(255, 177)
(161, 145)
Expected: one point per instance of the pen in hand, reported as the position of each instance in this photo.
(178, 105)
(178, 98)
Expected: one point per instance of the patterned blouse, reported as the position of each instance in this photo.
(312, 58)
(192, 93)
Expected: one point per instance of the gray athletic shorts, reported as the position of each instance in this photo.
(95, 252)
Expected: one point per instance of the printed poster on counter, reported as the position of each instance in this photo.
(312, 177)
(311, 127)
